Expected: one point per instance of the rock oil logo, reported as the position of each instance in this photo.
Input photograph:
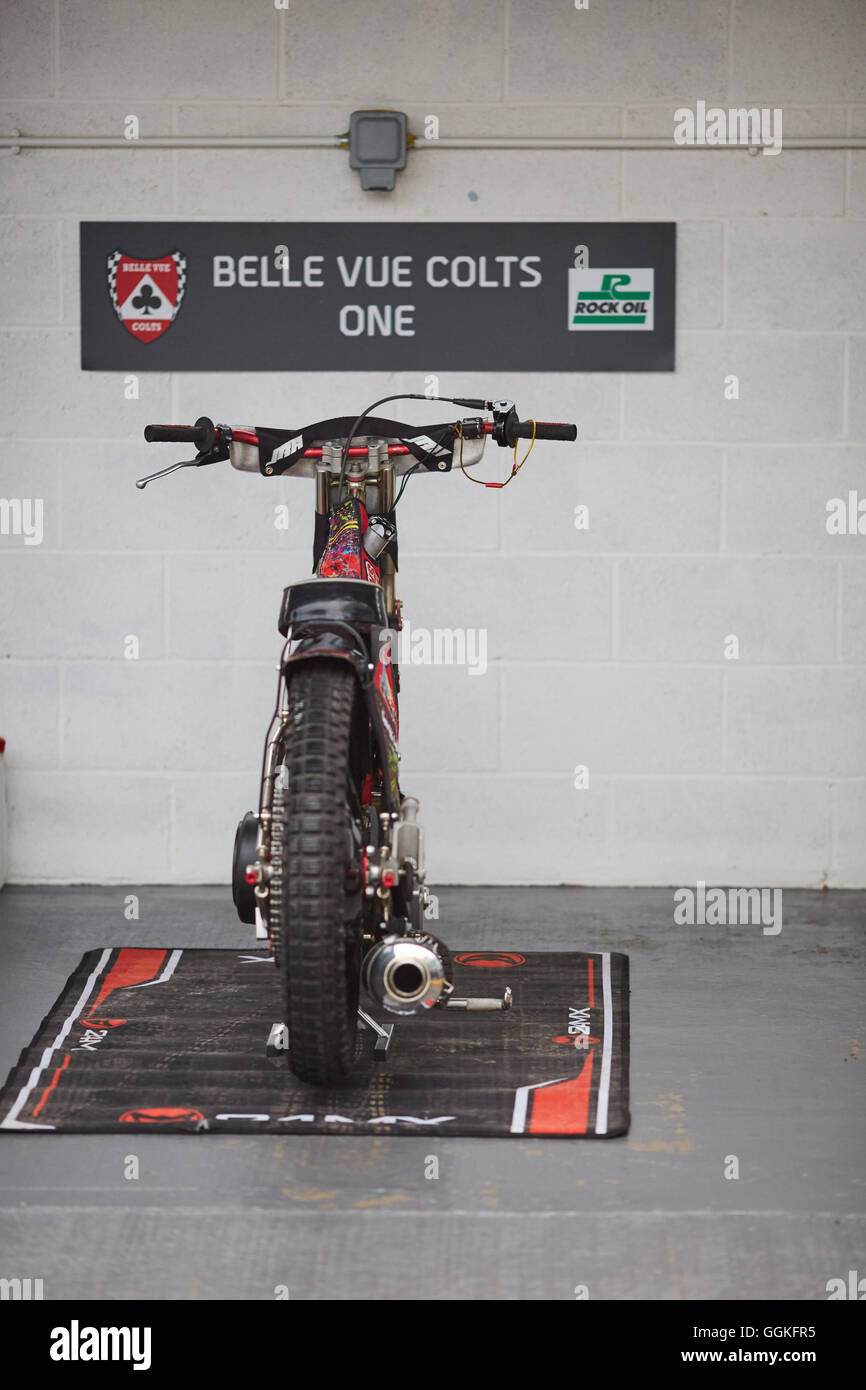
(610, 299)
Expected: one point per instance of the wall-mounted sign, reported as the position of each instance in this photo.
(378, 296)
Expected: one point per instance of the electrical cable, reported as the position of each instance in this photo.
(401, 396)
(406, 476)
(516, 467)
(410, 396)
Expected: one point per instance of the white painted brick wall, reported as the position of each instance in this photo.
(605, 646)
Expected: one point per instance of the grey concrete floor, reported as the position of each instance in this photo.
(742, 1044)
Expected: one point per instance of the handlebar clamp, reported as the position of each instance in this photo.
(505, 422)
(473, 427)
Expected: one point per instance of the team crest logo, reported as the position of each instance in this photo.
(146, 295)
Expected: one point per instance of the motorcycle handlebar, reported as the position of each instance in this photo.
(506, 430)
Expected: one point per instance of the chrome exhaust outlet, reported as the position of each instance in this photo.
(404, 975)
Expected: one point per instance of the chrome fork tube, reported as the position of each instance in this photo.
(323, 488)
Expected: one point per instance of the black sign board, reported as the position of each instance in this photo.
(377, 296)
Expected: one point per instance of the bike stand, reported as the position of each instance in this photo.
(384, 1034)
(278, 1038)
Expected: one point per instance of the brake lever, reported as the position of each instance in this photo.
(142, 483)
(217, 454)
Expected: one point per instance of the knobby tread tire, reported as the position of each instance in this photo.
(319, 950)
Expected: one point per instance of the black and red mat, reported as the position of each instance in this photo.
(175, 1041)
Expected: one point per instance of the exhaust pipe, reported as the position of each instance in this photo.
(403, 975)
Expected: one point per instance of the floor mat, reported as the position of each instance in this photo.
(175, 1041)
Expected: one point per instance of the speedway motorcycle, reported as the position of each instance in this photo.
(330, 868)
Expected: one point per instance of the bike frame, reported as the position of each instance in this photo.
(335, 616)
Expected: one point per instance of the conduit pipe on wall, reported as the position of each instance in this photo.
(17, 143)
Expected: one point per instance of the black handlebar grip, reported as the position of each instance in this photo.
(202, 434)
(170, 434)
(546, 429)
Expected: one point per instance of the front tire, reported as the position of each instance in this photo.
(318, 903)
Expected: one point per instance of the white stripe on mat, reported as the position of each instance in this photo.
(166, 974)
(10, 1120)
(521, 1102)
(606, 1049)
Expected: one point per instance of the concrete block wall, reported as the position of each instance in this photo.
(606, 646)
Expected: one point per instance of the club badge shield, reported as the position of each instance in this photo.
(146, 295)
